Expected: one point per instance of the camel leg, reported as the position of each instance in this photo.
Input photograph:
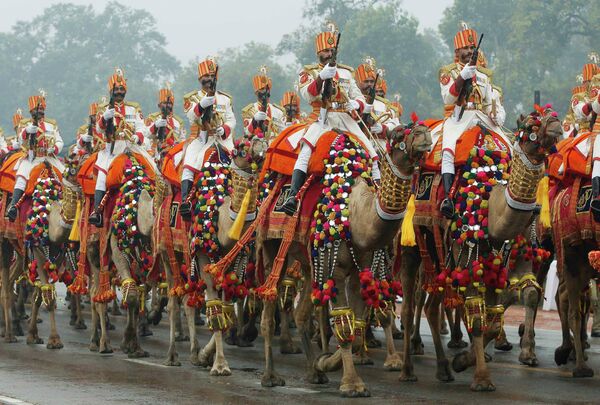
(131, 343)
(180, 335)
(481, 379)
(416, 343)
(102, 314)
(433, 309)
(79, 321)
(575, 283)
(561, 354)
(410, 267)
(286, 344)
(456, 335)
(6, 292)
(173, 309)
(32, 334)
(393, 361)
(267, 327)
(531, 296)
(95, 338)
(443, 324)
(233, 334)
(190, 317)
(351, 384)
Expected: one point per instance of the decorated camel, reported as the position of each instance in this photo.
(490, 208)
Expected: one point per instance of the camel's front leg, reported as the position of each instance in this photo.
(190, 317)
(393, 361)
(7, 294)
(173, 309)
(33, 335)
(531, 296)
(433, 309)
(267, 327)
(575, 286)
(49, 298)
(410, 267)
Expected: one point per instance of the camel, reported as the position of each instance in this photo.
(506, 220)
(375, 219)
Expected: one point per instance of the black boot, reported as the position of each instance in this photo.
(595, 205)
(185, 209)
(12, 210)
(290, 206)
(447, 205)
(96, 215)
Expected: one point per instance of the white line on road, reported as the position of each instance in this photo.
(12, 401)
(297, 389)
(146, 363)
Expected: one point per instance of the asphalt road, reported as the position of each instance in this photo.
(74, 375)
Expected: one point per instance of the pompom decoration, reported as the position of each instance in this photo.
(331, 224)
(594, 258)
(47, 190)
(125, 218)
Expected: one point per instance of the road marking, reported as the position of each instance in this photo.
(146, 363)
(297, 389)
(12, 401)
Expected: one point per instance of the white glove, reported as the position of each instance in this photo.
(260, 116)
(86, 138)
(352, 105)
(31, 129)
(468, 72)
(160, 123)
(207, 101)
(220, 132)
(136, 139)
(328, 72)
(51, 150)
(368, 108)
(109, 114)
(3, 151)
(16, 144)
(376, 129)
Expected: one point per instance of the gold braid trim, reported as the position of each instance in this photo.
(344, 324)
(241, 184)
(475, 310)
(215, 316)
(69, 203)
(395, 189)
(524, 178)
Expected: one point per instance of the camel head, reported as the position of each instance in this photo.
(408, 144)
(249, 152)
(145, 217)
(539, 132)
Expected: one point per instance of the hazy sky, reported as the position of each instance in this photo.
(228, 22)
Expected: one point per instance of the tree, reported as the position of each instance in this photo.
(70, 51)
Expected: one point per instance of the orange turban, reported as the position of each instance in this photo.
(290, 97)
(16, 118)
(381, 85)
(93, 109)
(325, 40)
(117, 79)
(261, 81)
(589, 71)
(365, 71)
(207, 67)
(464, 38)
(165, 94)
(35, 100)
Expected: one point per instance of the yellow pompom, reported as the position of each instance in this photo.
(543, 199)
(74, 235)
(407, 236)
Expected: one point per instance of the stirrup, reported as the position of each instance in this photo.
(185, 210)
(12, 213)
(290, 206)
(96, 219)
(447, 208)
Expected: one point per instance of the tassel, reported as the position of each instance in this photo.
(74, 235)
(236, 229)
(407, 236)
(543, 199)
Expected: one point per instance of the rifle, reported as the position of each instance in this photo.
(110, 125)
(207, 115)
(264, 102)
(90, 131)
(467, 88)
(328, 85)
(371, 95)
(36, 118)
(289, 114)
(164, 110)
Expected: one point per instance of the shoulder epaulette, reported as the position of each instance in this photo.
(247, 111)
(488, 72)
(154, 116)
(384, 100)
(82, 129)
(133, 104)
(102, 105)
(310, 67)
(178, 119)
(280, 108)
(350, 68)
(447, 69)
(229, 96)
(50, 121)
(497, 88)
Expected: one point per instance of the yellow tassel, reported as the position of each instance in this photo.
(74, 235)
(543, 199)
(236, 229)
(407, 236)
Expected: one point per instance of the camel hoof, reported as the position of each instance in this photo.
(363, 361)
(561, 355)
(443, 372)
(317, 377)
(54, 344)
(407, 377)
(417, 348)
(393, 362)
(529, 360)
(182, 338)
(106, 349)
(483, 387)
(289, 348)
(72, 321)
(93, 347)
(221, 370)
(154, 317)
(272, 380)
(487, 357)
(444, 329)
(460, 362)
(231, 340)
(205, 360)
(457, 344)
(583, 372)
(137, 354)
(18, 329)
(33, 340)
(80, 325)
(504, 346)
(357, 391)
(172, 363)
(10, 339)
(586, 344)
